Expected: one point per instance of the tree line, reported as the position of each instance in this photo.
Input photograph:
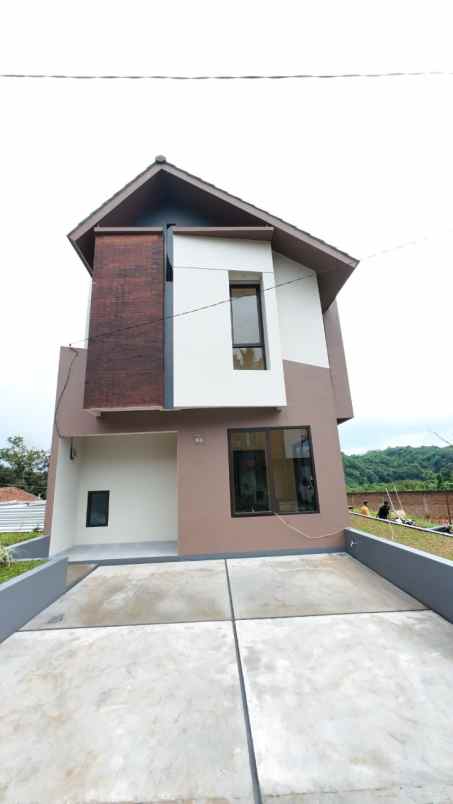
(24, 467)
(407, 468)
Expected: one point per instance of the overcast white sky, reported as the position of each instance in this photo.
(363, 164)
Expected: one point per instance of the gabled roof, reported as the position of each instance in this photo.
(13, 494)
(223, 209)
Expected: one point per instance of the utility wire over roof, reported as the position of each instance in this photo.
(256, 77)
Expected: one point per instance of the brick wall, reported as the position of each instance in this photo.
(125, 368)
(429, 504)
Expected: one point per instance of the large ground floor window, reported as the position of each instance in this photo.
(272, 471)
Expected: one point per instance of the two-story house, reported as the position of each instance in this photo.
(202, 409)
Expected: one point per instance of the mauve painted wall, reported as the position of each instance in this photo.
(205, 521)
(204, 516)
(337, 362)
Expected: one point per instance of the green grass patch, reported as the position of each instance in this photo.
(17, 568)
(434, 543)
(420, 521)
(7, 539)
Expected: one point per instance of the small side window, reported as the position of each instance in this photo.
(98, 509)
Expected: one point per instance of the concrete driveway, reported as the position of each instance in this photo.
(306, 679)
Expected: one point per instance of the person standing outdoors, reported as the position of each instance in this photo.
(384, 510)
(364, 508)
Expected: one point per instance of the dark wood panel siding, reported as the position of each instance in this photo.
(125, 358)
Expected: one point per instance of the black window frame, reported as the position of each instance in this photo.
(270, 478)
(249, 345)
(89, 508)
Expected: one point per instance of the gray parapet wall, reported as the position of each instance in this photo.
(31, 548)
(23, 597)
(426, 577)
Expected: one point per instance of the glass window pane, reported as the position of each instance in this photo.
(245, 315)
(293, 471)
(249, 472)
(98, 508)
(248, 357)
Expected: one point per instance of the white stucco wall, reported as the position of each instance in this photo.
(64, 516)
(299, 308)
(88, 315)
(139, 471)
(203, 353)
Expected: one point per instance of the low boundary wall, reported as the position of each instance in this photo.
(31, 548)
(23, 597)
(433, 505)
(426, 577)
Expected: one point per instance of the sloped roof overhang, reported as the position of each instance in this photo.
(332, 266)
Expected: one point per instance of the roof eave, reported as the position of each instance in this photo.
(80, 254)
(117, 198)
(337, 258)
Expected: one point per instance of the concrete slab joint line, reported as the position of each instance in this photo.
(289, 586)
(356, 711)
(251, 748)
(322, 693)
(75, 702)
(141, 594)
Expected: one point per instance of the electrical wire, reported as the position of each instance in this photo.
(399, 246)
(214, 77)
(65, 385)
(405, 244)
(302, 533)
(148, 322)
(92, 338)
(441, 438)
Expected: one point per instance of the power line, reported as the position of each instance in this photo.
(406, 244)
(143, 323)
(399, 246)
(92, 338)
(441, 438)
(214, 77)
(65, 385)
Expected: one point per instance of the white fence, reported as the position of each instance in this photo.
(21, 517)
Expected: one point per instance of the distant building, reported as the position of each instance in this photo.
(13, 494)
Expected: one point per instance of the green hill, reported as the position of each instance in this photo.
(408, 468)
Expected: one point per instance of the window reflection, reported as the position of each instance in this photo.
(248, 357)
(292, 470)
(245, 314)
(247, 327)
(249, 472)
(272, 470)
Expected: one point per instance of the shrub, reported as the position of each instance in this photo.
(5, 558)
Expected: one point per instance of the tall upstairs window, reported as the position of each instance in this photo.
(247, 327)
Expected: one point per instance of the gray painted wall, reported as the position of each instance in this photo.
(23, 597)
(173, 212)
(425, 577)
(32, 548)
